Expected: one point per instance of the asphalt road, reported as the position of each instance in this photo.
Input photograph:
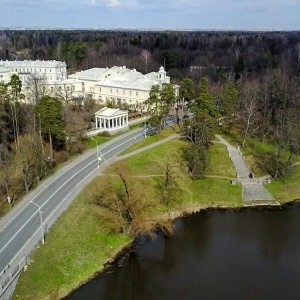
(25, 221)
(49, 200)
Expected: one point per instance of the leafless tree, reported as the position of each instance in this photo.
(36, 87)
(248, 112)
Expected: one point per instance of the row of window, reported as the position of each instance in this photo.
(111, 90)
(30, 70)
(67, 88)
(124, 92)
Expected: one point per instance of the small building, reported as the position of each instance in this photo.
(111, 120)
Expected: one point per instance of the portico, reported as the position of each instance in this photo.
(111, 120)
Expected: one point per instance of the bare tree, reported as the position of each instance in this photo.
(126, 204)
(146, 58)
(35, 87)
(248, 112)
(64, 93)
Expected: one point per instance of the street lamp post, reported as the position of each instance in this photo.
(98, 156)
(40, 212)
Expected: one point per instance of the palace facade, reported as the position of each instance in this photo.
(120, 86)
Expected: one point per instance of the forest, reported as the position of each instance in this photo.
(245, 82)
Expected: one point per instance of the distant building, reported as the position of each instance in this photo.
(120, 86)
(5, 74)
(49, 69)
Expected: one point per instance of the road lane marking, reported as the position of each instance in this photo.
(58, 177)
(46, 186)
(46, 202)
(59, 189)
(85, 177)
(18, 232)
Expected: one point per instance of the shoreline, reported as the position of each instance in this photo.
(117, 260)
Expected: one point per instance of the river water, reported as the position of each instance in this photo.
(212, 255)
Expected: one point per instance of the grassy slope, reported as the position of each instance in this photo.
(286, 188)
(168, 131)
(78, 246)
(253, 149)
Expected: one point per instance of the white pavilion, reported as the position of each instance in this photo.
(112, 120)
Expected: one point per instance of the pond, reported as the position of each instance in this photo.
(224, 254)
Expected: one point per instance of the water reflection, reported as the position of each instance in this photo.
(216, 255)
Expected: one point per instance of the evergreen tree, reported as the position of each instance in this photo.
(49, 115)
(228, 105)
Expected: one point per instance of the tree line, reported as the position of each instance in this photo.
(232, 81)
(35, 136)
(183, 54)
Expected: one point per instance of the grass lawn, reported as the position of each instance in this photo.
(286, 188)
(78, 244)
(168, 131)
(219, 162)
(253, 149)
(75, 249)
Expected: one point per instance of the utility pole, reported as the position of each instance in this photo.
(40, 212)
(98, 156)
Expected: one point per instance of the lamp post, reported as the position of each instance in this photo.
(42, 230)
(145, 129)
(99, 156)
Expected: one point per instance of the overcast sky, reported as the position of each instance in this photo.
(152, 14)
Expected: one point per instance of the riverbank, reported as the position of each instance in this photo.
(80, 244)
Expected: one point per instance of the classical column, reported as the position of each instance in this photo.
(96, 121)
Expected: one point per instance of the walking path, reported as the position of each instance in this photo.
(169, 138)
(253, 190)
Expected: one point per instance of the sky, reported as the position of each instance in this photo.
(152, 14)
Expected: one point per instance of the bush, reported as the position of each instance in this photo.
(104, 133)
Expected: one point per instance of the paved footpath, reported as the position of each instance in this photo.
(253, 191)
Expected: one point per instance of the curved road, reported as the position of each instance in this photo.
(21, 229)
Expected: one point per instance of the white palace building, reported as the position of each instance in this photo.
(118, 85)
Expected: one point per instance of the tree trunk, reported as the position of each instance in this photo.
(51, 147)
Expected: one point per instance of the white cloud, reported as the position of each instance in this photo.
(109, 3)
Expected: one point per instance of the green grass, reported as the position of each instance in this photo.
(286, 188)
(219, 162)
(253, 150)
(75, 249)
(103, 139)
(137, 125)
(78, 244)
(168, 131)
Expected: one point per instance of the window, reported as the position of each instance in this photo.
(100, 89)
(137, 93)
(68, 88)
(50, 71)
(117, 91)
(111, 91)
(123, 92)
(130, 93)
(52, 88)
